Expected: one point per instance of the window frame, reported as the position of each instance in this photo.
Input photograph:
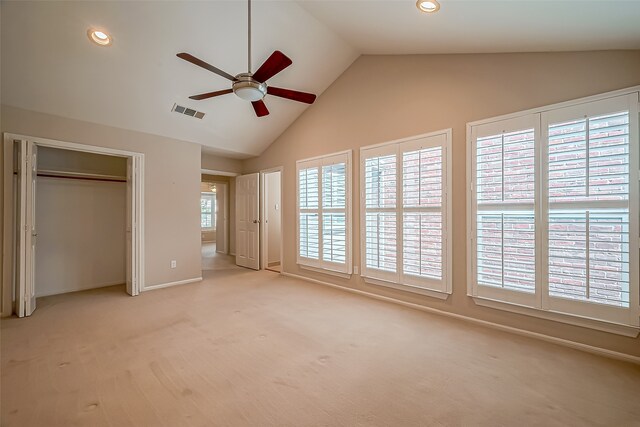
(425, 286)
(211, 195)
(625, 321)
(320, 265)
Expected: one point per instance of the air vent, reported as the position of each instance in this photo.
(187, 111)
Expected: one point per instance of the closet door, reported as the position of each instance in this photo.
(131, 232)
(27, 155)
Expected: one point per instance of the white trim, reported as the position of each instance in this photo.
(560, 341)
(169, 284)
(587, 99)
(217, 172)
(570, 319)
(407, 288)
(325, 271)
(74, 146)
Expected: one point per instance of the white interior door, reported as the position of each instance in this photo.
(248, 221)
(132, 256)
(27, 156)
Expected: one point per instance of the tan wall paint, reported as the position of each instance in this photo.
(382, 98)
(81, 235)
(81, 224)
(172, 187)
(55, 159)
(221, 164)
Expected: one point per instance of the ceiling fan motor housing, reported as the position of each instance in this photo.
(249, 89)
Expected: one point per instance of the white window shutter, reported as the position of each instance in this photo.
(324, 212)
(405, 213)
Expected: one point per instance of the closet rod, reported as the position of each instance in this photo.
(81, 176)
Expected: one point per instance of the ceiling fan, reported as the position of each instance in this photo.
(253, 86)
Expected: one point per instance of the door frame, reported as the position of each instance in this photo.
(9, 284)
(264, 261)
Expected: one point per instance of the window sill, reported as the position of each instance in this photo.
(325, 271)
(600, 325)
(408, 288)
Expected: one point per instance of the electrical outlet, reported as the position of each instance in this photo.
(355, 269)
(173, 263)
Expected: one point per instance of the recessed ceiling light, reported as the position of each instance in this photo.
(99, 37)
(428, 6)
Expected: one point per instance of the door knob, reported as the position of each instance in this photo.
(256, 221)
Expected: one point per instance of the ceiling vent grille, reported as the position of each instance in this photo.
(187, 111)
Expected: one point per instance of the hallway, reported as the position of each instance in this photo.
(213, 261)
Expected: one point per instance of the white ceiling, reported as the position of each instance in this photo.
(482, 26)
(49, 65)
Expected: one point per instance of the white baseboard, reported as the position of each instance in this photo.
(566, 343)
(169, 284)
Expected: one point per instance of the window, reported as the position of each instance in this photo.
(324, 212)
(554, 209)
(207, 210)
(405, 214)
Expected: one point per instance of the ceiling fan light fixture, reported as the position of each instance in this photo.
(428, 6)
(99, 37)
(245, 87)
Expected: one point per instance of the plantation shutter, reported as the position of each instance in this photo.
(324, 222)
(380, 236)
(405, 213)
(588, 197)
(554, 210)
(308, 190)
(504, 209)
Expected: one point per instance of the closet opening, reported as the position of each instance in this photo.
(77, 219)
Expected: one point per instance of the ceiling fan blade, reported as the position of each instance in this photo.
(307, 98)
(200, 63)
(210, 94)
(260, 108)
(277, 62)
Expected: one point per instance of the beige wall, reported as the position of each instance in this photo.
(381, 98)
(55, 159)
(81, 235)
(81, 223)
(172, 188)
(220, 164)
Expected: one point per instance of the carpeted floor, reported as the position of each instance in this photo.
(247, 348)
(212, 260)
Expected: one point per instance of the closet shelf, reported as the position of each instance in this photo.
(81, 175)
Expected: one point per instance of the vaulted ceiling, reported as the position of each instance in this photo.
(49, 65)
